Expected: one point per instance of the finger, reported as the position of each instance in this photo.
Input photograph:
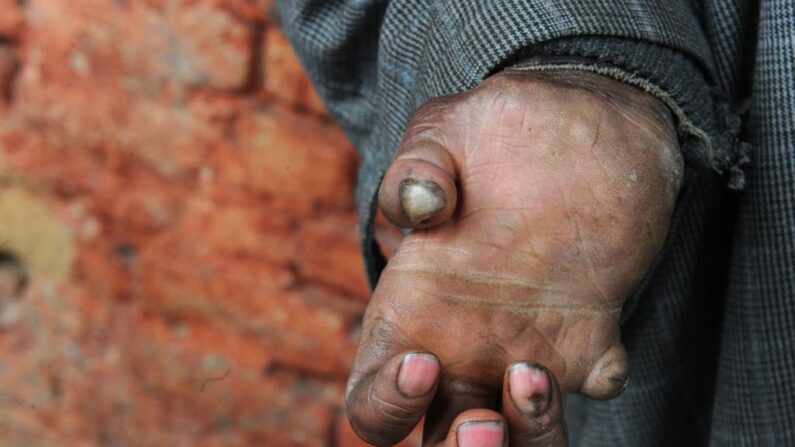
(418, 190)
(452, 399)
(476, 428)
(532, 405)
(609, 375)
(385, 406)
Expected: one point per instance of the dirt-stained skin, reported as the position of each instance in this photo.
(559, 190)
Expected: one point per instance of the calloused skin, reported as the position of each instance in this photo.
(557, 193)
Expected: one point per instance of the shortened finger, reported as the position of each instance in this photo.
(609, 376)
(418, 190)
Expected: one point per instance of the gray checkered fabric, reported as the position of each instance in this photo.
(711, 332)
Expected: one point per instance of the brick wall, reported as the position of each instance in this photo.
(178, 248)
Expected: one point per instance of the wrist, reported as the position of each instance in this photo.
(563, 71)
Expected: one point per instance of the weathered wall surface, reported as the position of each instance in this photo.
(178, 249)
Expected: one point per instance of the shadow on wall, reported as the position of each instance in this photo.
(179, 261)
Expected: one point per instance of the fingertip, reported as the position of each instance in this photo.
(481, 434)
(477, 428)
(383, 406)
(529, 387)
(533, 406)
(418, 189)
(609, 376)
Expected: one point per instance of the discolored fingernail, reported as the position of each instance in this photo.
(530, 388)
(621, 383)
(418, 374)
(421, 199)
(481, 434)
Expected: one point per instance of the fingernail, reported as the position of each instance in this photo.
(421, 199)
(481, 434)
(622, 381)
(529, 388)
(418, 374)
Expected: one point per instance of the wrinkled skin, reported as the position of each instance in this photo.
(558, 192)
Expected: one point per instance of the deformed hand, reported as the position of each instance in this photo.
(538, 201)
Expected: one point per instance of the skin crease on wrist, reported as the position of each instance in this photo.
(539, 200)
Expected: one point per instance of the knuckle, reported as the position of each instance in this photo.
(379, 420)
(396, 413)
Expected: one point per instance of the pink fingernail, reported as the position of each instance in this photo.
(481, 434)
(529, 388)
(418, 374)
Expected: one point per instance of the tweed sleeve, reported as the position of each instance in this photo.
(337, 42)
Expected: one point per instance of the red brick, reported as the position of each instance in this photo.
(11, 19)
(219, 47)
(250, 299)
(8, 66)
(187, 43)
(284, 76)
(207, 301)
(249, 231)
(148, 385)
(250, 11)
(129, 90)
(329, 253)
(204, 386)
(295, 159)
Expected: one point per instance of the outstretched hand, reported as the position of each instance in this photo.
(539, 201)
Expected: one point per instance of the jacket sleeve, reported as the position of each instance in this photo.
(337, 41)
(375, 62)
